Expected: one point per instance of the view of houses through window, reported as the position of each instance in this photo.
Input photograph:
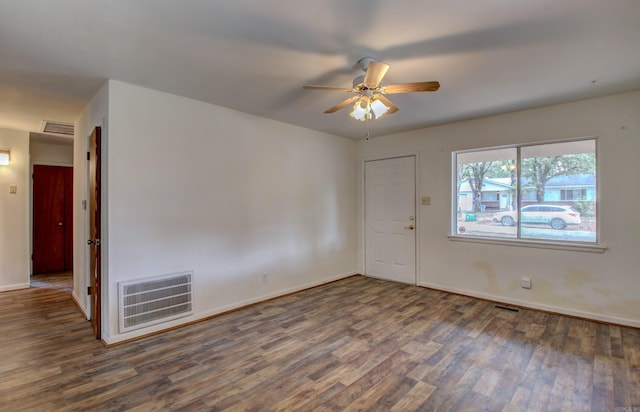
(540, 192)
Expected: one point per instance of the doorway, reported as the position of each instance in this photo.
(52, 244)
(390, 219)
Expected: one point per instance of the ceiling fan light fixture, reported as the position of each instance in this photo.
(378, 108)
(368, 108)
(370, 100)
(361, 110)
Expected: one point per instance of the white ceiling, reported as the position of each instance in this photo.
(490, 56)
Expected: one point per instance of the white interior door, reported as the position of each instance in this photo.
(390, 240)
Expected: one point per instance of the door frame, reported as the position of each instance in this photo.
(362, 207)
(30, 229)
(95, 298)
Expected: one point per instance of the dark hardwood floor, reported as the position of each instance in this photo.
(356, 344)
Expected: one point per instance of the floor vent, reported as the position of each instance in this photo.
(507, 308)
(146, 302)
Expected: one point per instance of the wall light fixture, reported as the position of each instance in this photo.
(5, 157)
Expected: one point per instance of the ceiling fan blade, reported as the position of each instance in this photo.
(411, 87)
(342, 104)
(392, 107)
(375, 73)
(328, 88)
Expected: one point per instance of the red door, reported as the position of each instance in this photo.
(94, 230)
(52, 219)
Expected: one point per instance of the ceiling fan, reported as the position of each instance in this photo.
(370, 100)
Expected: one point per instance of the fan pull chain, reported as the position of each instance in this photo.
(366, 128)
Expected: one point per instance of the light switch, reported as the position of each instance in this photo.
(426, 200)
(13, 189)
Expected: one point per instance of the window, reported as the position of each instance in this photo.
(490, 196)
(533, 192)
(573, 194)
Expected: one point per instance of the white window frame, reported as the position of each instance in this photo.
(595, 247)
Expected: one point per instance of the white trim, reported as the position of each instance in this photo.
(106, 338)
(536, 306)
(211, 313)
(540, 244)
(536, 143)
(599, 203)
(574, 247)
(17, 286)
(49, 163)
(79, 304)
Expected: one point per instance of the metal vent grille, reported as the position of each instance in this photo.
(57, 128)
(146, 302)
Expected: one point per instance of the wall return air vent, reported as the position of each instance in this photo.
(150, 301)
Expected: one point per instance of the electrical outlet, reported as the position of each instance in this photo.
(525, 283)
(265, 278)
(426, 200)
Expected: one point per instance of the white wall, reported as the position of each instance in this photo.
(601, 286)
(231, 196)
(14, 212)
(51, 154)
(94, 115)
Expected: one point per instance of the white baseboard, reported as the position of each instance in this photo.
(534, 305)
(80, 306)
(17, 286)
(217, 311)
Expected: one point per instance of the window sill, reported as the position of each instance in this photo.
(574, 247)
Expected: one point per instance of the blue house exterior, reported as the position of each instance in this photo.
(496, 193)
(566, 189)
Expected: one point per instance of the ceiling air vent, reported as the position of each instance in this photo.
(57, 128)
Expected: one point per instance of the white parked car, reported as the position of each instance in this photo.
(558, 217)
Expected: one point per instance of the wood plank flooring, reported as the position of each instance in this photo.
(358, 344)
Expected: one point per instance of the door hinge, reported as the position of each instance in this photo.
(88, 290)
(88, 155)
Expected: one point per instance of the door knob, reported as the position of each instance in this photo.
(93, 242)
(90, 242)
(410, 227)
(60, 224)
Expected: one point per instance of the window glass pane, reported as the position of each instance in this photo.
(561, 179)
(556, 183)
(486, 201)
